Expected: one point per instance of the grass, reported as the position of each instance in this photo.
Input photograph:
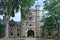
(43, 39)
(24, 39)
(13, 39)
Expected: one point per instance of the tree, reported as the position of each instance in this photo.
(52, 6)
(8, 7)
(11, 6)
(1, 29)
(49, 25)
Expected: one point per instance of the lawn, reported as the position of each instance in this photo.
(13, 39)
(24, 39)
(43, 39)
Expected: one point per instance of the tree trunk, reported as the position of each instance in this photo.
(7, 19)
(7, 27)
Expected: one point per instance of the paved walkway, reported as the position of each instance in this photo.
(30, 38)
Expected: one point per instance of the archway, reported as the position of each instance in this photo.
(30, 33)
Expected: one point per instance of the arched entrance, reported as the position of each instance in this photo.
(30, 33)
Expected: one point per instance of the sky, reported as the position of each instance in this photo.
(18, 15)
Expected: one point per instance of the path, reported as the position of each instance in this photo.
(30, 38)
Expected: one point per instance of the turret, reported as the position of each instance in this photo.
(37, 7)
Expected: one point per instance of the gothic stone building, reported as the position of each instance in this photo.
(29, 27)
(14, 29)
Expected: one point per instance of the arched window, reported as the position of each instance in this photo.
(17, 29)
(11, 33)
(30, 25)
(17, 34)
(30, 18)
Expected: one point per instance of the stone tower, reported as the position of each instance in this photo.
(38, 30)
(31, 26)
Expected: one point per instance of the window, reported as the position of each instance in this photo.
(17, 29)
(56, 34)
(11, 24)
(49, 34)
(17, 34)
(30, 18)
(11, 33)
(11, 29)
(30, 25)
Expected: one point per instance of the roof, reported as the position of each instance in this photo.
(16, 22)
(37, 5)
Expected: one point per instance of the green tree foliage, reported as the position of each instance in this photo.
(10, 7)
(49, 24)
(1, 29)
(25, 7)
(53, 8)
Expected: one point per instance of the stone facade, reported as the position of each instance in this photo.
(32, 23)
(30, 26)
(14, 29)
